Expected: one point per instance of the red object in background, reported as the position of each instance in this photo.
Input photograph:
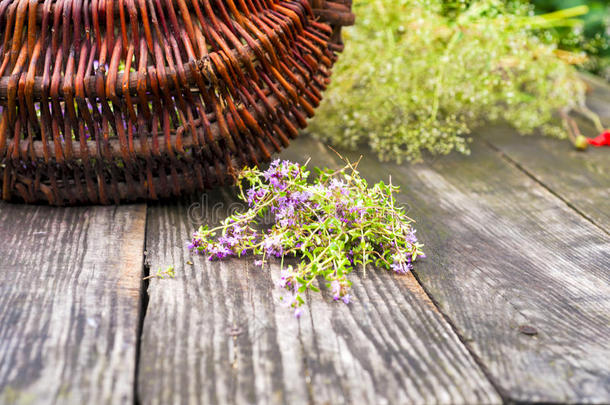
(603, 139)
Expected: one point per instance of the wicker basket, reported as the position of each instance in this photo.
(104, 101)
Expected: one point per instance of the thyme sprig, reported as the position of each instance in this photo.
(332, 225)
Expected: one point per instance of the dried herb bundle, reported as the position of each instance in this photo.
(420, 75)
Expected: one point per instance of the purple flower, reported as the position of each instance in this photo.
(286, 222)
(402, 267)
(411, 238)
(275, 182)
(346, 298)
(255, 196)
(336, 287)
(218, 251)
(285, 209)
(279, 172)
(298, 311)
(338, 185)
(350, 256)
(285, 213)
(196, 242)
(285, 279)
(282, 282)
(301, 196)
(273, 245)
(258, 263)
(229, 241)
(357, 211)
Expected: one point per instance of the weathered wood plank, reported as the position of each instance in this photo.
(70, 283)
(215, 334)
(598, 99)
(581, 179)
(504, 255)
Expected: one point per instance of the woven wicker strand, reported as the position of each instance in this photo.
(107, 101)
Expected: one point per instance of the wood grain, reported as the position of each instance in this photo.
(216, 334)
(581, 179)
(524, 278)
(69, 303)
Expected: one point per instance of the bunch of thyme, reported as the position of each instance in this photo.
(333, 225)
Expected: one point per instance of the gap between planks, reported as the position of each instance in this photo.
(143, 308)
(578, 178)
(535, 178)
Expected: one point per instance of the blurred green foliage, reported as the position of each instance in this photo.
(593, 37)
(420, 75)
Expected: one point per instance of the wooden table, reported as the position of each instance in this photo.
(511, 305)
